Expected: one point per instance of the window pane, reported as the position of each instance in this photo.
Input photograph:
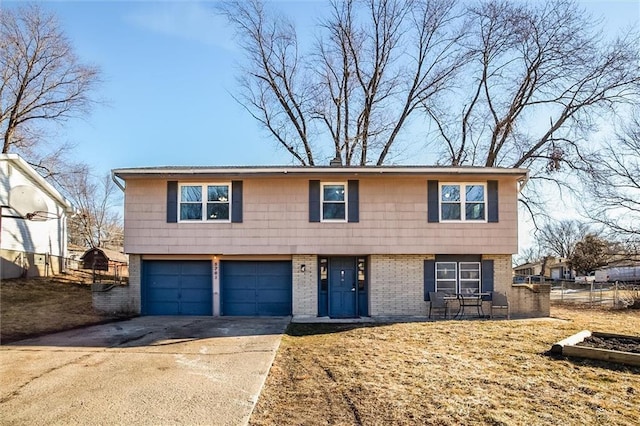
(333, 211)
(324, 274)
(469, 275)
(469, 287)
(191, 193)
(475, 193)
(361, 273)
(448, 287)
(218, 193)
(450, 212)
(450, 193)
(333, 192)
(190, 211)
(446, 270)
(217, 211)
(474, 211)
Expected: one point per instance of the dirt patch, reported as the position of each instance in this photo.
(612, 343)
(449, 373)
(35, 306)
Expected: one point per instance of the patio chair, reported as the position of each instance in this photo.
(499, 302)
(437, 301)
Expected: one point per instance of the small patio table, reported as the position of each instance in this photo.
(472, 300)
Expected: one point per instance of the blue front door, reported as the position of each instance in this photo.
(342, 287)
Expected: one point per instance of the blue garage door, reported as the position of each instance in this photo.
(256, 288)
(177, 287)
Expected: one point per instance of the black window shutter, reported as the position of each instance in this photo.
(236, 201)
(487, 276)
(492, 199)
(314, 201)
(354, 201)
(172, 201)
(429, 278)
(433, 213)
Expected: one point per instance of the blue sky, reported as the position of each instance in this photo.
(169, 72)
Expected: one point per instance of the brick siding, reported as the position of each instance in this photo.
(305, 285)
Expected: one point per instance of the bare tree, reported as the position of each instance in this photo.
(41, 81)
(373, 66)
(559, 238)
(539, 77)
(615, 187)
(96, 223)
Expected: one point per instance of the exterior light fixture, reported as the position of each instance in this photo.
(303, 267)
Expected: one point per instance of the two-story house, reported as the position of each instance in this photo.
(339, 242)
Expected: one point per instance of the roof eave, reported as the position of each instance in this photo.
(169, 172)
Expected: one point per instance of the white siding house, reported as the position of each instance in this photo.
(31, 247)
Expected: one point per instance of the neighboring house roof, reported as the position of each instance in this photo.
(110, 255)
(526, 266)
(37, 180)
(169, 171)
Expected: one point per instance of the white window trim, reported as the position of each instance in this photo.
(204, 201)
(346, 202)
(463, 202)
(479, 279)
(454, 280)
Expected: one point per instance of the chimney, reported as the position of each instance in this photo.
(336, 162)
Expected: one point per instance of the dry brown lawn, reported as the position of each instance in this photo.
(450, 373)
(35, 306)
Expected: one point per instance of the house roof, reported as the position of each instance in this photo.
(16, 161)
(203, 171)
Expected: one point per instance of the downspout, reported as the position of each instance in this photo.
(115, 179)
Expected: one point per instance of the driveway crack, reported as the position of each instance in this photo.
(42, 374)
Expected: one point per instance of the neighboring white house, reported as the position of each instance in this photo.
(31, 247)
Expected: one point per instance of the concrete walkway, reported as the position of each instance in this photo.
(148, 370)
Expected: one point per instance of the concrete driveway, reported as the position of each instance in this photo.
(148, 370)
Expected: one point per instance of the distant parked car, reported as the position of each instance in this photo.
(586, 278)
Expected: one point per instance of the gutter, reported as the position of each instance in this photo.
(116, 180)
(176, 171)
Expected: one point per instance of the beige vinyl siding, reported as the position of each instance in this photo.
(393, 220)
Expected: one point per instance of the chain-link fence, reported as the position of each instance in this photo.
(617, 295)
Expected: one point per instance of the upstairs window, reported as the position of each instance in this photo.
(204, 202)
(462, 202)
(334, 202)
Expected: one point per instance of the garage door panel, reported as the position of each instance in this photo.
(163, 308)
(164, 294)
(273, 309)
(256, 288)
(274, 268)
(164, 268)
(191, 295)
(239, 296)
(271, 296)
(274, 282)
(177, 288)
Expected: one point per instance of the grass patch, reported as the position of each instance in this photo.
(35, 306)
(449, 373)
